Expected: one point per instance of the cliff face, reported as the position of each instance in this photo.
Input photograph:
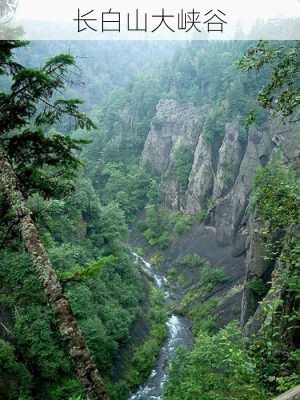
(220, 181)
(173, 126)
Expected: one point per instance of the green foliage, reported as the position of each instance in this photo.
(113, 66)
(83, 236)
(217, 368)
(15, 378)
(209, 278)
(198, 279)
(125, 118)
(212, 276)
(192, 260)
(78, 273)
(65, 390)
(244, 133)
(172, 274)
(201, 216)
(105, 290)
(161, 226)
(276, 194)
(182, 222)
(83, 222)
(281, 92)
(40, 160)
(207, 275)
(28, 109)
(106, 306)
(183, 164)
(42, 357)
(114, 226)
(214, 127)
(202, 316)
(157, 259)
(274, 348)
(126, 185)
(258, 287)
(153, 194)
(124, 121)
(145, 356)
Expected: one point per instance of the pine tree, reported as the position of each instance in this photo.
(28, 155)
(281, 93)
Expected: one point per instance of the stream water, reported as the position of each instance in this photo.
(179, 334)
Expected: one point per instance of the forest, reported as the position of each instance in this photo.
(184, 154)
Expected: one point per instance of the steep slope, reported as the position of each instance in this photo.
(218, 189)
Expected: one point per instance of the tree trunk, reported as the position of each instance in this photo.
(85, 367)
(293, 394)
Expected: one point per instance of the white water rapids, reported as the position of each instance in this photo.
(179, 334)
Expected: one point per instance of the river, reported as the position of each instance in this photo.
(179, 334)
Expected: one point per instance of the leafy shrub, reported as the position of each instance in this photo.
(172, 273)
(162, 226)
(182, 223)
(258, 287)
(192, 260)
(275, 346)
(214, 126)
(276, 195)
(183, 165)
(145, 356)
(157, 259)
(201, 216)
(211, 277)
(217, 368)
(15, 378)
(203, 318)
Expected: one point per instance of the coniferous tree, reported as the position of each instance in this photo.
(29, 156)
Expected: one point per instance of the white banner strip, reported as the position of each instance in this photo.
(158, 20)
